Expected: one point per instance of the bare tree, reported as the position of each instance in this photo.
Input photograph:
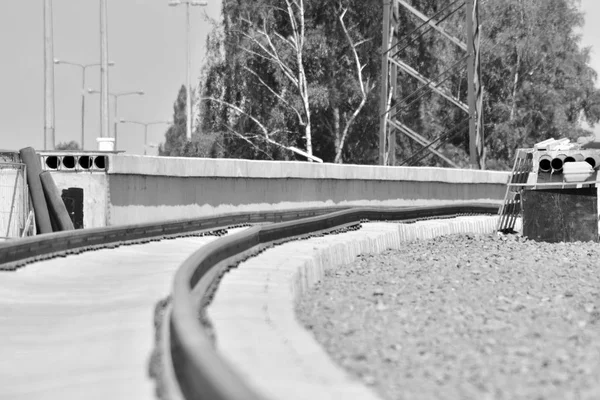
(286, 52)
(365, 87)
(271, 46)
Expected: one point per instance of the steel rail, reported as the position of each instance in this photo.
(15, 253)
(191, 367)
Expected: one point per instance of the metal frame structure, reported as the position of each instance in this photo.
(391, 107)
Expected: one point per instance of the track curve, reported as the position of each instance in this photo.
(198, 370)
(199, 373)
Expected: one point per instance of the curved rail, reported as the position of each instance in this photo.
(197, 370)
(15, 253)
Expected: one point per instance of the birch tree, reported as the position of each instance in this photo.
(283, 54)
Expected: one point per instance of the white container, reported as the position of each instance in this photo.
(577, 171)
(106, 144)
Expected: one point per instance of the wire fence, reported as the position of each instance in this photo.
(14, 201)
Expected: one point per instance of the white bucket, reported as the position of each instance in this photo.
(106, 144)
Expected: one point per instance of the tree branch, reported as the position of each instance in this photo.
(363, 90)
(279, 96)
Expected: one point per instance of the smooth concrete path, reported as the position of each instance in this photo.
(253, 309)
(81, 327)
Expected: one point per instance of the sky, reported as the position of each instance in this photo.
(146, 41)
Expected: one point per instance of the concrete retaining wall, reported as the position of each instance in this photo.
(95, 194)
(144, 189)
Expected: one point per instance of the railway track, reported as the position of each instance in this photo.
(188, 366)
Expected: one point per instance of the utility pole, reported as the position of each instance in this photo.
(474, 156)
(188, 60)
(48, 77)
(392, 108)
(104, 128)
(383, 104)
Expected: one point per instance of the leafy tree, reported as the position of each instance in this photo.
(175, 137)
(536, 78)
(176, 143)
(72, 145)
(292, 65)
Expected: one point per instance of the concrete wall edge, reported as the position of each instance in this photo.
(236, 168)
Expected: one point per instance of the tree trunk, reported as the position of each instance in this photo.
(337, 135)
(514, 90)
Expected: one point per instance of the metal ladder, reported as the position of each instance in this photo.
(511, 208)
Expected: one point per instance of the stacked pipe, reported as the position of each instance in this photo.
(555, 164)
(50, 212)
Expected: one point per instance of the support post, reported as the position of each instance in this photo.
(104, 124)
(49, 133)
(387, 4)
(474, 137)
(188, 103)
(393, 84)
(116, 100)
(83, 108)
(478, 87)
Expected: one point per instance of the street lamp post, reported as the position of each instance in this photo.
(145, 124)
(187, 4)
(83, 68)
(49, 133)
(104, 70)
(115, 97)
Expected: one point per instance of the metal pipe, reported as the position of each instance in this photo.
(188, 103)
(545, 163)
(49, 132)
(104, 128)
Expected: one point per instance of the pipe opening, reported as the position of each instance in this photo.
(52, 162)
(85, 162)
(557, 164)
(100, 162)
(545, 165)
(569, 159)
(69, 162)
(591, 161)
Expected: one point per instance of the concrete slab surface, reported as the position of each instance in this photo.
(81, 327)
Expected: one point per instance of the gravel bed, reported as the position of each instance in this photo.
(465, 317)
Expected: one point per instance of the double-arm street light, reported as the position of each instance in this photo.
(187, 4)
(83, 68)
(145, 124)
(115, 97)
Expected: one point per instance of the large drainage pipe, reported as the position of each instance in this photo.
(558, 162)
(593, 160)
(545, 163)
(40, 208)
